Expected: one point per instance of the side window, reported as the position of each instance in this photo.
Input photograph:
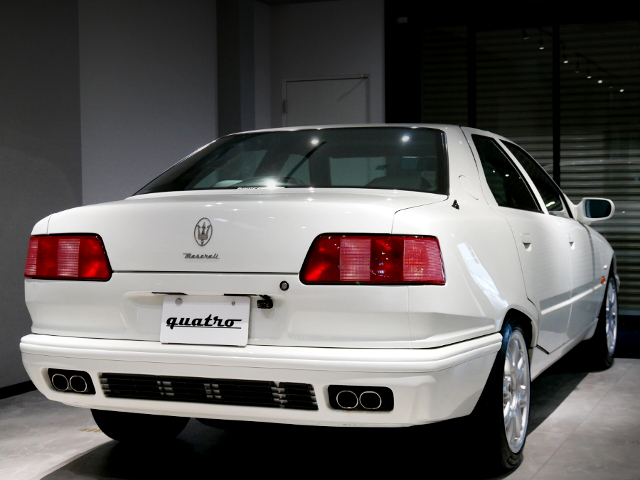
(508, 187)
(548, 190)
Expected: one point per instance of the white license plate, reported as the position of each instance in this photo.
(205, 320)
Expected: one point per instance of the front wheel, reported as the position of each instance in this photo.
(135, 427)
(501, 428)
(602, 345)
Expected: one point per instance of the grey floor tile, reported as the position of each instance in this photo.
(539, 448)
(621, 429)
(593, 458)
(37, 435)
(565, 419)
(619, 402)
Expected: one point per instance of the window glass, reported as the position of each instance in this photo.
(508, 187)
(365, 157)
(548, 191)
(297, 167)
(356, 170)
(238, 167)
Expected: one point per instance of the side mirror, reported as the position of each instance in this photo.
(591, 210)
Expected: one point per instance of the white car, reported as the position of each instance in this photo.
(388, 275)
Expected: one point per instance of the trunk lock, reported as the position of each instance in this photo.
(266, 302)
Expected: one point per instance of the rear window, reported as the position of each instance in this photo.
(382, 158)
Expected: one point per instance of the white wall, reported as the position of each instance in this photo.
(39, 146)
(148, 90)
(262, 60)
(327, 39)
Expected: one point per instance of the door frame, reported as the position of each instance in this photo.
(357, 76)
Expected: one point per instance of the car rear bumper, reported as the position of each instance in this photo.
(428, 385)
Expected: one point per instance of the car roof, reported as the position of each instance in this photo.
(439, 126)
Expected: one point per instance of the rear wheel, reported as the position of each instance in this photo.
(133, 427)
(601, 347)
(501, 428)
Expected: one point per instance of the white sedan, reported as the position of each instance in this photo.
(343, 276)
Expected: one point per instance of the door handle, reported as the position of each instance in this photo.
(526, 239)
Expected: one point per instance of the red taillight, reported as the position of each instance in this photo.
(374, 259)
(67, 257)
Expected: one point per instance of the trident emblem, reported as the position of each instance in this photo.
(202, 232)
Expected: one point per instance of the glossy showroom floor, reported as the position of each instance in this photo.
(584, 425)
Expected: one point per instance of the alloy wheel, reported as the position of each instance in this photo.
(611, 316)
(515, 391)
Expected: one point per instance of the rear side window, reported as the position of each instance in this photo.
(546, 187)
(508, 187)
(365, 157)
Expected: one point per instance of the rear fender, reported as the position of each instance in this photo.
(483, 274)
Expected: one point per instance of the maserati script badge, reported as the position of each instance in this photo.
(202, 232)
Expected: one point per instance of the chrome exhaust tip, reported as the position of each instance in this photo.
(347, 400)
(60, 382)
(78, 384)
(71, 381)
(370, 400)
(360, 398)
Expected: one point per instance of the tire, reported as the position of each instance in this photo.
(600, 348)
(501, 428)
(135, 427)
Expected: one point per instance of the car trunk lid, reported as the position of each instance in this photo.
(240, 231)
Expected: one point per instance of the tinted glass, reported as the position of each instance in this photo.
(546, 187)
(387, 158)
(597, 208)
(506, 184)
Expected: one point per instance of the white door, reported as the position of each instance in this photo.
(327, 102)
(543, 247)
(585, 287)
(586, 292)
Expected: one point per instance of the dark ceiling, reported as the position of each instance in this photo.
(286, 2)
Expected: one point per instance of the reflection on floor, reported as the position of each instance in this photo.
(584, 425)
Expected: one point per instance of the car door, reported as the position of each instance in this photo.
(585, 287)
(543, 247)
(584, 284)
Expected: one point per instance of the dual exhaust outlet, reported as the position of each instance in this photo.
(76, 383)
(342, 397)
(71, 381)
(349, 400)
